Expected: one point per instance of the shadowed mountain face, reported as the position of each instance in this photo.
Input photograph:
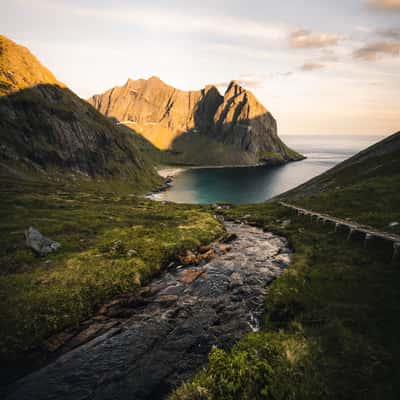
(200, 127)
(46, 131)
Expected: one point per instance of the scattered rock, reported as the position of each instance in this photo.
(39, 243)
(189, 258)
(56, 341)
(220, 218)
(235, 280)
(204, 248)
(208, 256)
(283, 260)
(285, 223)
(131, 253)
(167, 298)
(229, 237)
(393, 224)
(190, 276)
(224, 248)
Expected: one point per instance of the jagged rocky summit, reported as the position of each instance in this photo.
(199, 127)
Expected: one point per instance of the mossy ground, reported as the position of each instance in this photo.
(40, 296)
(330, 330)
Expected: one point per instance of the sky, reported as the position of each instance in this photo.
(319, 66)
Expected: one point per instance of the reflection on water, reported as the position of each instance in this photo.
(257, 184)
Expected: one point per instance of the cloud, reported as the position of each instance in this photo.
(311, 66)
(386, 5)
(303, 38)
(171, 21)
(390, 33)
(249, 81)
(329, 56)
(257, 80)
(374, 51)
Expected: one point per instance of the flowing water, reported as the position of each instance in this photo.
(164, 335)
(257, 184)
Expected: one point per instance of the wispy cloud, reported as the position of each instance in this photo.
(387, 5)
(303, 38)
(390, 33)
(329, 56)
(374, 51)
(256, 81)
(311, 66)
(248, 81)
(171, 21)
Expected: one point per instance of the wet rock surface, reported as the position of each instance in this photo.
(142, 346)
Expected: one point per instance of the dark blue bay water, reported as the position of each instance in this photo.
(257, 184)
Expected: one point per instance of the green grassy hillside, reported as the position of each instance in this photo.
(48, 133)
(364, 188)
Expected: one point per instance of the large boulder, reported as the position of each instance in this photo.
(39, 243)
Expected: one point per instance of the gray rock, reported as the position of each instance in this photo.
(39, 243)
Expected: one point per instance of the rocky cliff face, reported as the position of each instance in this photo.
(159, 111)
(199, 126)
(47, 131)
(242, 121)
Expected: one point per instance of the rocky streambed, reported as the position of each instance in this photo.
(154, 341)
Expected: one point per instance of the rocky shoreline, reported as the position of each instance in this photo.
(143, 344)
(153, 195)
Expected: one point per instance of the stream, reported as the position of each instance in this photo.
(169, 330)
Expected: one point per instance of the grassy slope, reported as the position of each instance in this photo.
(330, 329)
(40, 296)
(365, 188)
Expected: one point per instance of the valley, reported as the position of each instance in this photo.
(170, 300)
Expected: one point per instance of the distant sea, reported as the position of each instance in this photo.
(257, 184)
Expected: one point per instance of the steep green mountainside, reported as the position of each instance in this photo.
(365, 188)
(49, 133)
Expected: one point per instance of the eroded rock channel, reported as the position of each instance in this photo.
(167, 337)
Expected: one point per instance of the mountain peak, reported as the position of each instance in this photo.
(234, 89)
(187, 121)
(20, 69)
(154, 78)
